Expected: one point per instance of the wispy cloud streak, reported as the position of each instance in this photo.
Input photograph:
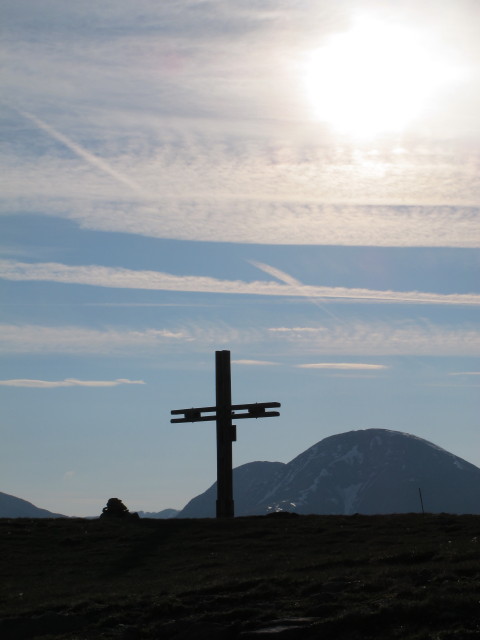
(255, 363)
(465, 373)
(296, 284)
(117, 277)
(68, 382)
(79, 340)
(380, 338)
(90, 158)
(357, 339)
(343, 366)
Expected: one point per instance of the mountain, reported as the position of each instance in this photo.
(251, 482)
(12, 507)
(370, 471)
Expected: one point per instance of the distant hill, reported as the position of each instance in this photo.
(12, 507)
(251, 481)
(371, 471)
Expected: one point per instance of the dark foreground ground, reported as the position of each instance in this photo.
(326, 577)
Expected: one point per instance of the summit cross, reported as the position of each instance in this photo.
(223, 413)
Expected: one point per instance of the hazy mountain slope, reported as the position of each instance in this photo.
(251, 482)
(12, 507)
(367, 471)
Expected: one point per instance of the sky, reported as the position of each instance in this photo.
(295, 182)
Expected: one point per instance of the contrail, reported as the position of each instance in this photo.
(83, 153)
(295, 284)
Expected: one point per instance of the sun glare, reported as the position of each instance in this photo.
(375, 78)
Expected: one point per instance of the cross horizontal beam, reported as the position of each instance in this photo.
(254, 410)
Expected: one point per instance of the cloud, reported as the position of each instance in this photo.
(296, 284)
(117, 277)
(80, 340)
(213, 217)
(195, 57)
(379, 338)
(343, 366)
(198, 181)
(68, 382)
(158, 53)
(83, 153)
(357, 338)
(190, 121)
(255, 363)
(466, 373)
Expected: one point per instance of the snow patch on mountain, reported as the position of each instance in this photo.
(349, 495)
(352, 456)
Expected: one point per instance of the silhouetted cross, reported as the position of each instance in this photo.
(223, 413)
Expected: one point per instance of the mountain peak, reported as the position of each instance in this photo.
(368, 471)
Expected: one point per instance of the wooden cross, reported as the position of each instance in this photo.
(223, 413)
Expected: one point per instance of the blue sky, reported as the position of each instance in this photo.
(295, 182)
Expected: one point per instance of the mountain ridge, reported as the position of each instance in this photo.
(368, 471)
(13, 507)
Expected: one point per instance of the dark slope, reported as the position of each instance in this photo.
(12, 507)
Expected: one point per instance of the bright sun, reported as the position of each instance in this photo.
(374, 78)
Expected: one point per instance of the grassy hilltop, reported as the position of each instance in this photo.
(328, 577)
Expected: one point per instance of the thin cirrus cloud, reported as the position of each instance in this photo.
(465, 373)
(117, 277)
(90, 158)
(81, 340)
(343, 366)
(249, 196)
(380, 338)
(356, 338)
(68, 382)
(255, 363)
(240, 161)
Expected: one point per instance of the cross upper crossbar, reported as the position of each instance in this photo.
(254, 410)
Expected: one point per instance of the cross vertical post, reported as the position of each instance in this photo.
(225, 435)
(223, 413)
